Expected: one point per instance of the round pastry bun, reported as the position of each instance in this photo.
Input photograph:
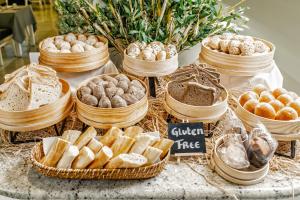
(279, 91)
(265, 110)
(276, 104)
(296, 106)
(286, 113)
(247, 96)
(258, 89)
(266, 96)
(250, 105)
(285, 99)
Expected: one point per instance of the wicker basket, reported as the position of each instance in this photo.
(128, 173)
(192, 113)
(237, 65)
(75, 62)
(39, 118)
(108, 117)
(145, 68)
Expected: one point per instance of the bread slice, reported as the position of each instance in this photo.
(152, 154)
(164, 145)
(131, 160)
(85, 157)
(95, 145)
(47, 143)
(101, 158)
(110, 136)
(68, 157)
(85, 138)
(132, 131)
(71, 135)
(122, 145)
(155, 136)
(56, 151)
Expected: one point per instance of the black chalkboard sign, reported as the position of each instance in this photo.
(189, 138)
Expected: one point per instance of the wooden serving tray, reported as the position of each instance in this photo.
(126, 173)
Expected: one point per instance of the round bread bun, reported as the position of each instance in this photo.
(250, 105)
(265, 110)
(266, 96)
(286, 113)
(277, 105)
(285, 99)
(279, 91)
(247, 96)
(259, 89)
(296, 106)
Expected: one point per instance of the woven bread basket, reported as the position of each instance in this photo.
(126, 173)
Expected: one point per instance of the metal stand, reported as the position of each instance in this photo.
(293, 151)
(152, 87)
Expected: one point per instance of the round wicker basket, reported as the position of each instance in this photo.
(75, 62)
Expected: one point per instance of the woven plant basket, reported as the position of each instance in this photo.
(127, 173)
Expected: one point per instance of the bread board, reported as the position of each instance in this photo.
(75, 62)
(276, 127)
(195, 113)
(126, 173)
(35, 119)
(236, 64)
(145, 68)
(108, 117)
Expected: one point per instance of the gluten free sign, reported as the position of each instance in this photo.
(188, 138)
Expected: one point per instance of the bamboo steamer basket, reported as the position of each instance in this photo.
(276, 127)
(192, 113)
(145, 68)
(241, 177)
(75, 62)
(127, 173)
(35, 119)
(106, 118)
(237, 65)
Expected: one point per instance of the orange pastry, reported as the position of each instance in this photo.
(279, 91)
(250, 105)
(276, 104)
(296, 106)
(286, 113)
(259, 89)
(265, 110)
(266, 96)
(247, 96)
(285, 99)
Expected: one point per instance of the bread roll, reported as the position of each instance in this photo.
(133, 131)
(277, 105)
(250, 105)
(285, 99)
(85, 157)
(131, 160)
(296, 106)
(286, 113)
(279, 91)
(141, 143)
(247, 96)
(152, 154)
(122, 145)
(101, 158)
(55, 153)
(95, 145)
(164, 145)
(71, 135)
(266, 96)
(85, 138)
(47, 143)
(68, 157)
(265, 110)
(110, 136)
(258, 89)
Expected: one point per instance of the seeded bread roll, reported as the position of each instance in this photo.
(111, 91)
(104, 102)
(122, 77)
(136, 92)
(118, 102)
(89, 100)
(119, 91)
(123, 84)
(130, 99)
(110, 79)
(84, 90)
(138, 84)
(98, 91)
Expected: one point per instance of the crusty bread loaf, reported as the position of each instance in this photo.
(101, 158)
(141, 143)
(56, 151)
(131, 160)
(133, 131)
(85, 157)
(155, 137)
(68, 157)
(47, 143)
(164, 145)
(85, 138)
(110, 136)
(71, 135)
(95, 145)
(122, 145)
(152, 154)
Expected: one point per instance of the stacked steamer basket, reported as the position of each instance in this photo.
(74, 53)
(33, 98)
(238, 55)
(111, 100)
(195, 94)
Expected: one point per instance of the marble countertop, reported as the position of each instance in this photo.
(177, 181)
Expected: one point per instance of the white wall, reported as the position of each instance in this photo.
(279, 22)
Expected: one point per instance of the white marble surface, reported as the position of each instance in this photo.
(19, 180)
